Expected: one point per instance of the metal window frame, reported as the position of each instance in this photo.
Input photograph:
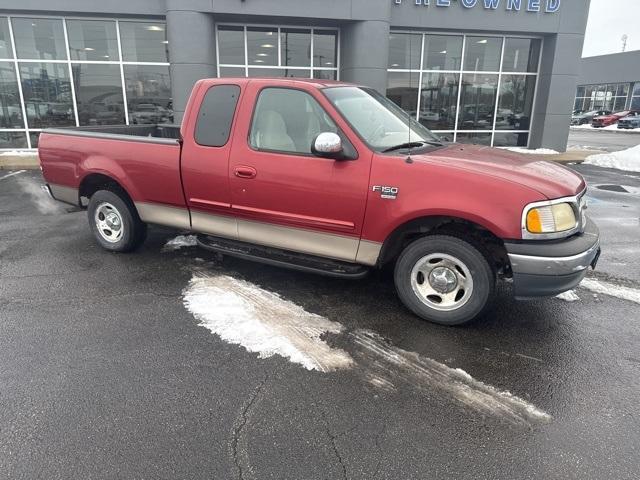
(69, 62)
(462, 71)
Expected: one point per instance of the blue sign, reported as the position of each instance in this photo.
(548, 6)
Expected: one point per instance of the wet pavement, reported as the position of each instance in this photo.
(105, 374)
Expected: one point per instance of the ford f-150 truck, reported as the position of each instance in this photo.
(332, 178)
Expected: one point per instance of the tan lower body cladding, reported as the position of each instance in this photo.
(311, 242)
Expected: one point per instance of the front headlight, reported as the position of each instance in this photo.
(551, 219)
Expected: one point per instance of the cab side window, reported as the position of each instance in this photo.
(288, 120)
(215, 116)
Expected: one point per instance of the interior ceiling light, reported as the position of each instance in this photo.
(443, 51)
(267, 45)
(482, 41)
(155, 28)
(89, 49)
(262, 54)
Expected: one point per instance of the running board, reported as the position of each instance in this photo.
(283, 258)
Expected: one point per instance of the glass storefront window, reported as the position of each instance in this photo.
(325, 45)
(521, 55)
(39, 38)
(148, 90)
(439, 97)
(404, 51)
(277, 52)
(47, 94)
(231, 45)
(92, 40)
(510, 139)
(483, 54)
(262, 46)
(34, 136)
(99, 94)
(10, 109)
(144, 42)
(442, 52)
(6, 51)
(13, 140)
(635, 103)
(295, 47)
(474, 138)
(477, 101)
(516, 102)
(402, 89)
(636, 89)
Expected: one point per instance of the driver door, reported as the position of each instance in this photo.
(283, 195)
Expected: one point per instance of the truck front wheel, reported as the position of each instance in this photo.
(444, 279)
(115, 222)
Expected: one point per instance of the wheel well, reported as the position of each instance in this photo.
(96, 181)
(491, 246)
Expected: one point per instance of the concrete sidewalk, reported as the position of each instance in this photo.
(19, 161)
(570, 156)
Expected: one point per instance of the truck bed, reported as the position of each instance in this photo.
(155, 133)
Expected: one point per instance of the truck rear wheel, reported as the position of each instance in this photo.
(444, 279)
(115, 222)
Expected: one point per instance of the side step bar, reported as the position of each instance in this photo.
(283, 258)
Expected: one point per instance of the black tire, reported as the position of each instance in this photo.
(467, 258)
(132, 232)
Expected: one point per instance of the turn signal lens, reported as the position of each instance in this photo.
(551, 219)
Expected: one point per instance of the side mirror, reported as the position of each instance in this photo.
(327, 144)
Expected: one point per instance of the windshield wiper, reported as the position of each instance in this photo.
(411, 145)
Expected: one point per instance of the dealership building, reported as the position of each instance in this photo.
(493, 72)
(609, 82)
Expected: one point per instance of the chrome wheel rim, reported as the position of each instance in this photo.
(442, 282)
(108, 222)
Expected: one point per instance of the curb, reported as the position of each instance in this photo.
(19, 162)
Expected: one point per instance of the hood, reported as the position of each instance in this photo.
(548, 178)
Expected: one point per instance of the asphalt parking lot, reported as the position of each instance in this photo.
(105, 373)
(602, 140)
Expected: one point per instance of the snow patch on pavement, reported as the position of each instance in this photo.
(12, 174)
(569, 296)
(261, 321)
(18, 153)
(179, 242)
(628, 160)
(611, 289)
(244, 314)
(538, 151)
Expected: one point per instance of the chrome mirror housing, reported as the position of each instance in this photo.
(327, 144)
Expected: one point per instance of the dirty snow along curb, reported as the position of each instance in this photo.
(628, 160)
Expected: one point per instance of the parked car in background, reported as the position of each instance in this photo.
(608, 120)
(630, 121)
(584, 118)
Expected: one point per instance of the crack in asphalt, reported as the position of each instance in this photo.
(333, 438)
(240, 424)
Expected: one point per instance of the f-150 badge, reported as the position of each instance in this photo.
(390, 193)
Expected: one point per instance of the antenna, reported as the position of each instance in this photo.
(624, 39)
(408, 160)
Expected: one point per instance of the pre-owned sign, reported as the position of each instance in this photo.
(549, 6)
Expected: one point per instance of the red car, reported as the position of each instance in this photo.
(327, 177)
(607, 120)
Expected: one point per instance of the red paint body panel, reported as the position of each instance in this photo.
(607, 120)
(487, 186)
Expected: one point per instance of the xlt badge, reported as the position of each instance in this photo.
(390, 193)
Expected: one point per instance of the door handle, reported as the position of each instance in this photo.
(245, 172)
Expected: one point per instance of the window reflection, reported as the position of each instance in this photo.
(474, 138)
(10, 109)
(144, 42)
(5, 40)
(483, 54)
(402, 89)
(521, 55)
(477, 101)
(510, 139)
(13, 140)
(438, 100)
(262, 46)
(99, 94)
(148, 94)
(325, 45)
(404, 51)
(47, 94)
(516, 102)
(231, 45)
(295, 46)
(92, 40)
(39, 38)
(442, 52)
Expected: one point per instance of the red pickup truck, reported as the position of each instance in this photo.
(332, 178)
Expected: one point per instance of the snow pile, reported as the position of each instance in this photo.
(179, 242)
(628, 160)
(611, 289)
(539, 151)
(569, 296)
(18, 153)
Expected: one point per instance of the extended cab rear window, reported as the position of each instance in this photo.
(215, 117)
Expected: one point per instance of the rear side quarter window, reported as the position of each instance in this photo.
(215, 117)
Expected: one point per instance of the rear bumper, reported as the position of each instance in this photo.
(543, 269)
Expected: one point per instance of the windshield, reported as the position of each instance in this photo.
(376, 119)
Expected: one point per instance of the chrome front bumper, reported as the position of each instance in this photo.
(542, 269)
